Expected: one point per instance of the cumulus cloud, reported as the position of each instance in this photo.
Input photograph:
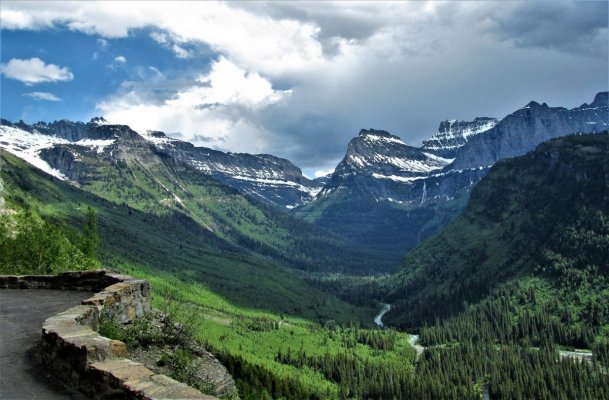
(259, 42)
(167, 42)
(218, 109)
(299, 81)
(43, 96)
(34, 70)
(120, 59)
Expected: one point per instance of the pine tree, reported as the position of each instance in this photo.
(90, 240)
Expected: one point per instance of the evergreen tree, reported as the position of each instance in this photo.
(90, 240)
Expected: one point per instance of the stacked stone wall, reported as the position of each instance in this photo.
(86, 362)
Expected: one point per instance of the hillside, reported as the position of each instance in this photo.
(171, 243)
(118, 164)
(530, 250)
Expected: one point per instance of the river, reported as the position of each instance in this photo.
(379, 318)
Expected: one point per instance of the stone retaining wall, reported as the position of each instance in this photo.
(87, 362)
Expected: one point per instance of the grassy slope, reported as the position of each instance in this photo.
(152, 181)
(173, 243)
(536, 224)
(228, 296)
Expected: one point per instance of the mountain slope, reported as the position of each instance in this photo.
(534, 238)
(392, 196)
(270, 179)
(118, 164)
(171, 243)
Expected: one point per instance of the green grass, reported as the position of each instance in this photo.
(245, 308)
(258, 336)
(173, 244)
(157, 184)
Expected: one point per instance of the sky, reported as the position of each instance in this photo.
(296, 79)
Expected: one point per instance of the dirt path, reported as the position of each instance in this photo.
(22, 313)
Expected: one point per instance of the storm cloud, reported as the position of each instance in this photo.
(314, 74)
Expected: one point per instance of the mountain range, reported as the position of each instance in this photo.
(389, 195)
(271, 179)
(521, 269)
(385, 193)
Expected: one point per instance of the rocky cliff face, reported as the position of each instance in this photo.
(263, 176)
(380, 165)
(454, 134)
(55, 146)
(524, 129)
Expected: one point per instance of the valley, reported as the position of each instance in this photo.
(308, 302)
(292, 200)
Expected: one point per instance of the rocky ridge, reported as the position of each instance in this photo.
(55, 148)
(453, 134)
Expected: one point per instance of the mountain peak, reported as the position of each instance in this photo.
(377, 135)
(601, 99)
(453, 134)
(375, 132)
(532, 104)
(98, 121)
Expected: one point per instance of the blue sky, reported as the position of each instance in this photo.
(296, 79)
(99, 66)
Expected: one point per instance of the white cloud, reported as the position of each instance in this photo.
(400, 66)
(166, 41)
(320, 173)
(43, 96)
(102, 43)
(159, 37)
(258, 42)
(120, 60)
(180, 52)
(34, 70)
(217, 110)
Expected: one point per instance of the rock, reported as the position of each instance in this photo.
(533, 124)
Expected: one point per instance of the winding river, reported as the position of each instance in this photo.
(379, 318)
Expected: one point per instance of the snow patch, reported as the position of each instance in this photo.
(387, 139)
(397, 178)
(27, 146)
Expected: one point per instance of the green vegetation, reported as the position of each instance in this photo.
(254, 344)
(533, 243)
(172, 244)
(90, 240)
(162, 331)
(387, 228)
(159, 185)
(31, 245)
(511, 373)
(523, 272)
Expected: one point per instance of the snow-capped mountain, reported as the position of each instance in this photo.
(384, 192)
(453, 134)
(55, 147)
(378, 163)
(391, 195)
(269, 178)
